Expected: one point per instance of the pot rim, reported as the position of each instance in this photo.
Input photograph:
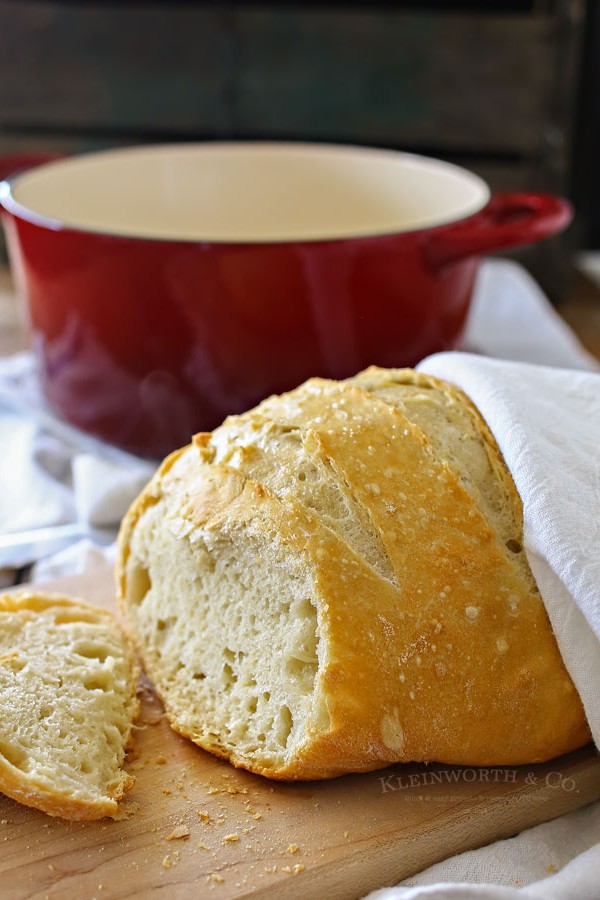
(480, 191)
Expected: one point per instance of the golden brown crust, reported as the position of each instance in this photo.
(56, 804)
(453, 660)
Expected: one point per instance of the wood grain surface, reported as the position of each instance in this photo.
(195, 827)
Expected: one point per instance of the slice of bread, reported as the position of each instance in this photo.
(335, 581)
(67, 704)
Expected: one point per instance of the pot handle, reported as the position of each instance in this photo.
(508, 220)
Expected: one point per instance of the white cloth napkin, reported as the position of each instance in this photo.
(54, 474)
(511, 318)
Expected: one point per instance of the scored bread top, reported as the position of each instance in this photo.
(373, 532)
(67, 704)
(441, 412)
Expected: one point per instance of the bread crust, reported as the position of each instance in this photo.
(18, 785)
(452, 659)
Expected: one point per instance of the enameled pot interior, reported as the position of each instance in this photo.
(249, 192)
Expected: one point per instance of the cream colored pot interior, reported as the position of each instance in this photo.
(247, 192)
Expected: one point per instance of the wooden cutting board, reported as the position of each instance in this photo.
(194, 827)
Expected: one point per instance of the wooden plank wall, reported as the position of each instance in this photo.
(495, 91)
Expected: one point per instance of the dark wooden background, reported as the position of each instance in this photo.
(494, 86)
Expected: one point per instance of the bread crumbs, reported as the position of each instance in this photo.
(293, 848)
(180, 788)
(205, 816)
(214, 876)
(231, 838)
(179, 833)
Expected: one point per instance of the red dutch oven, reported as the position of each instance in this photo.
(168, 286)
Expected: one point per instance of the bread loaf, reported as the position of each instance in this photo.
(335, 581)
(67, 704)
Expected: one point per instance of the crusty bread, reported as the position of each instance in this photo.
(67, 704)
(335, 581)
